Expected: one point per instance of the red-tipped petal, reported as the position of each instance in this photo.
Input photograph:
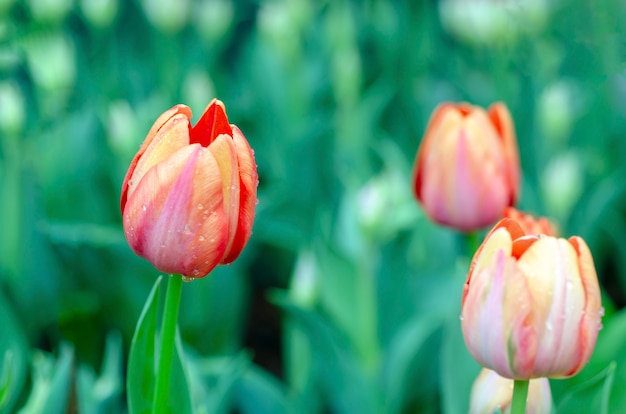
(212, 124)
(248, 194)
(223, 150)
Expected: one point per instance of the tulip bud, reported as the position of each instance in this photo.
(491, 392)
(531, 304)
(189, 195)
(467, 167)
(530, 224)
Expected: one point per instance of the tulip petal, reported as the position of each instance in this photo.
(161, 122)
(551, 269)
(503, 122)
(223, 149)
(500, 337)
(172, 136)
(444, 114)
(176, 210)
(248, 195)
(591, 321)
(212, 124)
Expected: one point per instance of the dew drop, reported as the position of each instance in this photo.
(188, 279)
(144, 207)
(195, 272)
(549, 326)
(461, 317)
(569, 284)
(162, 245)
(187, 228)
(200, 238)
(212, 239)
(200, 206)
(601, 311)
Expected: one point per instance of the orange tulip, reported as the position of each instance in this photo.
(189, 195)
(531, 304)
(530, 224)
(491, 392)
(467, 167)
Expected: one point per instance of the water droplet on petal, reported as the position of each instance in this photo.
(187, 228)
(200, 206)
(569, 284)
(188, 279)
(162, 245)
(195, 272)
(549, 326)
(601, 311)
(461, 317)
(201, 238)
(144, 207)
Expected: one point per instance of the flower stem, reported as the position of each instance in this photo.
(520, 392)
(472, 242)
(168, 336)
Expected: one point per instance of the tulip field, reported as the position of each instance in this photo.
(312, 207)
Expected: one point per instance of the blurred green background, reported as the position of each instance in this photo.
(346, 299)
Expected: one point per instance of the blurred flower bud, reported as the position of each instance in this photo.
(491, 392)
(99, 13)
(52, 11)
(13, 109)
(189, 196)
(213, 18)
(197, 85)
(51, 60)
(531, 304)
(492, 22)
(166, 16)
(555, 112)
(467, 167)
(561, 183)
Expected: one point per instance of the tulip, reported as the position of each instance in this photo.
(491, 392)
(531, 304)
(531, 224)
(189, 195)
(467, 167)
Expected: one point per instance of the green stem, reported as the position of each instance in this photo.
(520, 392)
(168, 336)
(472, 243)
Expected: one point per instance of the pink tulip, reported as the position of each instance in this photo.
(467, 167)
(189, 195)
(531, 304)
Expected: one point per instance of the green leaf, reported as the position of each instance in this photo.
(405, 364)
(594, 392)
(142, 363)
(343, 381)
(141, 358)
(13, 357)
(260, 393)
(101, 395)
(51, 382)
(458, 369)
(213, 381)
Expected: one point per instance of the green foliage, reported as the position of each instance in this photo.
(346, 299)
